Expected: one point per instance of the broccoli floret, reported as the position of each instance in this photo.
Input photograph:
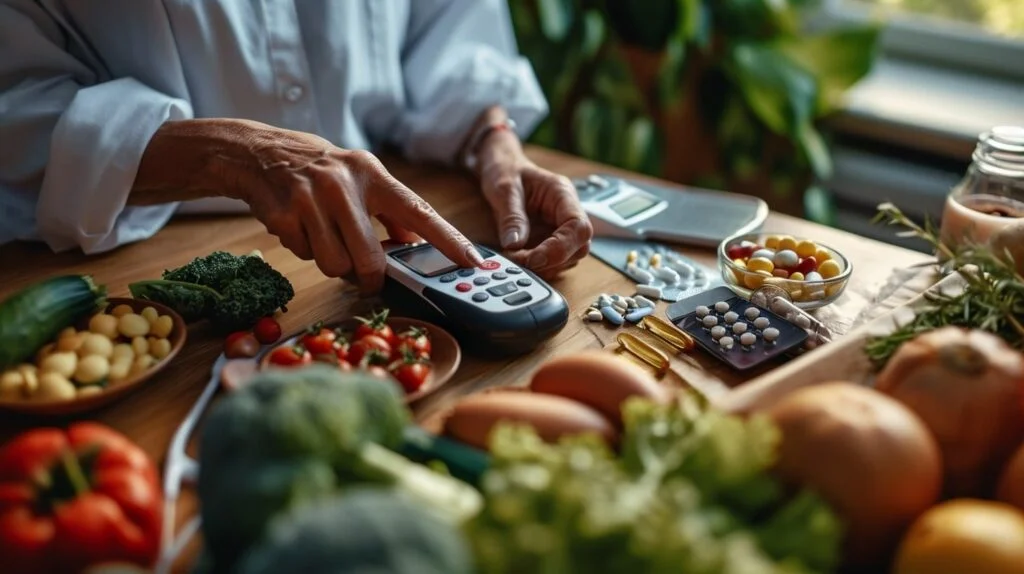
(232, 291)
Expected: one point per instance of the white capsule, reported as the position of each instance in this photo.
(748, 339)
(731, 317)
(803, 321)
(630, 302)
(702, 311)
(717, 332)
(620, 307)
(639, 275)
(726, 342)
(667, 275)
(770, 334)
(752, 313)
(594, 315)
(721, 306)
(642, 301)
(683, 268)
(762, 322)
(786, 258)
(710, 321)
(766, 253)
(739, 328)
(813, 276)
(649, 291)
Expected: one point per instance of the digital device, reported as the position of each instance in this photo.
(632, 209)
(497, 309)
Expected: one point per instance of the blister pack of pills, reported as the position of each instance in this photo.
(735, 330)
(659, 272)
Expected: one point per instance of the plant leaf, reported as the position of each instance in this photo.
(781, 93)
(555, 18)
(837, 59)
(815, 150)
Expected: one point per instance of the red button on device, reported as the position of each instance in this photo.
(489, 265)
(463, 287)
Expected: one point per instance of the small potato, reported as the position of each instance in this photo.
(140, 346)
(63, 363)
(69, 341)
(163, 326)
(88, 391)
(141, 364)
(120, 368)
(91, 369)
(121, 310)
(46, 351)
(150, 314)
(30, 376)
(96, 344)
(132, 325)
(159, 348)
(105, 325)
(11, 385)
(54, 387)
(122, 351)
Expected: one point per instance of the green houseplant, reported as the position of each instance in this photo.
(719, 93)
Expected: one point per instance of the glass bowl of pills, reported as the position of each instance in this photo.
(812, 273)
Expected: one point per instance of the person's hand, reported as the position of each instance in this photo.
(540, 220)
(318, 198)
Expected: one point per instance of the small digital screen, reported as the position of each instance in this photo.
(427, 261)
(633, 205)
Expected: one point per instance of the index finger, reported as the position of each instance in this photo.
(416, 215)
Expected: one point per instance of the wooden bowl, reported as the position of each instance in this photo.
(445, 354)
(113, 392)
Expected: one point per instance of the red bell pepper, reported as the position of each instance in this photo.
(72, 499)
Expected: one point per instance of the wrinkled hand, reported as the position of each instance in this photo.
(533, 206)
(318, 199)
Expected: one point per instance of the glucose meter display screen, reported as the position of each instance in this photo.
(633, 205)
(427, 261)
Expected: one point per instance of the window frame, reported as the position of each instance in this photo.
(948, 44)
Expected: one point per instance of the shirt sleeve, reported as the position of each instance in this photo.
(460, 58)
(73, 139)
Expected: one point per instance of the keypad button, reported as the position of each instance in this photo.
(513, 270)
(466, 272)
(490, 265)
(480, 297)
(518, 298)
(524, 282)
(463, 287)
(503, 289)
(499, 276)
(481, 280)
(448, 278)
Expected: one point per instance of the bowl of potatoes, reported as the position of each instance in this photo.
(97, 361)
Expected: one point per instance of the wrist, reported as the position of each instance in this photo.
(493, 132)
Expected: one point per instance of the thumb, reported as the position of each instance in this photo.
(396, 232)
(507, 198)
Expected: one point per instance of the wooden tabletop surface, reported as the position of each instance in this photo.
(151, 415)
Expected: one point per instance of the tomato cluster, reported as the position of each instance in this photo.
(373, 346)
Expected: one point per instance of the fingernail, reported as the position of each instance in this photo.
(511, 238)
(537, 260)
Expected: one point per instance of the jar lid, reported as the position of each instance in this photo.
(1000, 151)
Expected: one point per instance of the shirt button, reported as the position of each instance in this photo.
(294, 93)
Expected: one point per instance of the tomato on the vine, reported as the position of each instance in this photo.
(290, 356)
(364, 346)
(376, 325)
(410, 373)
(413, 341)
(319, 340)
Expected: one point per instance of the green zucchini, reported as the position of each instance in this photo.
(35, 315)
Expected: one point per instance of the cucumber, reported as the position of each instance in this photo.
(35, 315)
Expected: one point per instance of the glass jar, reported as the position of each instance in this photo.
(991, 194)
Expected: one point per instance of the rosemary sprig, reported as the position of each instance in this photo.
(992, 300)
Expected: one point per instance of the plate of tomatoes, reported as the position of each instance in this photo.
(420, 356)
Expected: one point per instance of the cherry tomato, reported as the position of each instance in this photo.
(341, 348)
(241, 345)
(376, 325)
(411, 374)
(290, 356)
(413, 342)
(267, 331)
(365, 345)
(807, 264)
(319, 340)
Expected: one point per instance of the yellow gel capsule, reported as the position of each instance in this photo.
(829, 269)
(787, 242)
(806, 248)
(755, 280)
(760, 264)
(655, 260)
(631, 257)
(821, 255)
(796, 276)
(739, 263)
(772, 242)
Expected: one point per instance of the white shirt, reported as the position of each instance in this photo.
(85, 84)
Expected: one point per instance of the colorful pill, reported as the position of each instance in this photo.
(649, 291)
(611, 315)
(639, 313)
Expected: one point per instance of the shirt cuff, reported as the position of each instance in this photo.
(436, 133)
(94, 156)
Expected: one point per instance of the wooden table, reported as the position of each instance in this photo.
(150, 416)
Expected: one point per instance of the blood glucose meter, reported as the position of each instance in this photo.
(497, 309)
(701, 217)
